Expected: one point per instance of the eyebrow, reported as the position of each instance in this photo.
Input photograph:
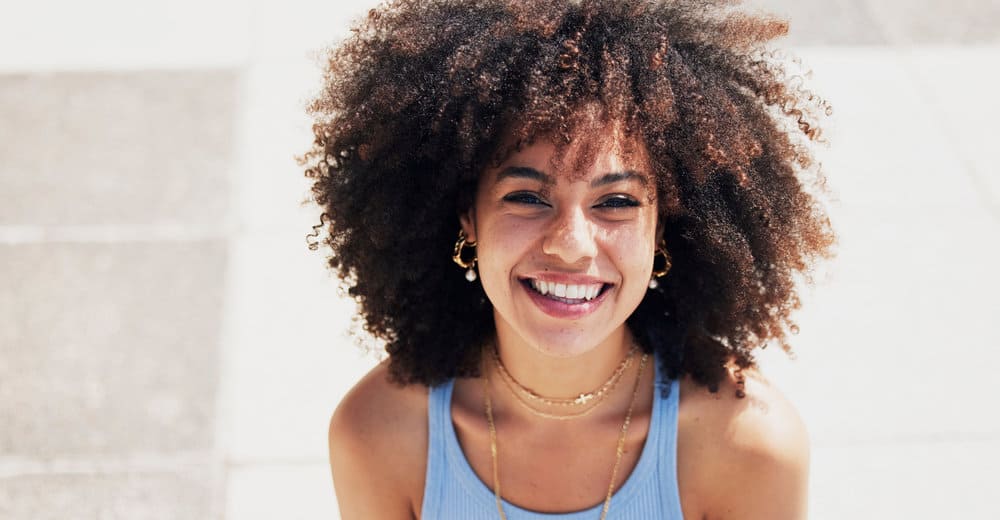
(525, 172)
(613, 177)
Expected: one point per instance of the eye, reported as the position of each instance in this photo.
(524, 197)
(618, 201)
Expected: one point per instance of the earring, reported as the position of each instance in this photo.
(660, 250)
(460, 244)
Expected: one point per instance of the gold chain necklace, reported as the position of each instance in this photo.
(584, 398)
(618, 452)
(560, 417)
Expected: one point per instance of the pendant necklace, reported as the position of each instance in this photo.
(591, 399)
(618, 452)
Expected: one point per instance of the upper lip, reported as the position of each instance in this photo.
(565, 278)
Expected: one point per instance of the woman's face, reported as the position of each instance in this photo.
(565, 256)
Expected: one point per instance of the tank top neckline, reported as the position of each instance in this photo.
(644, 468)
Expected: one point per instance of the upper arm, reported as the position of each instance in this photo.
(369, 459)
(761, 467)
(769, 477)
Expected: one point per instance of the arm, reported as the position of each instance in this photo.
(751, 455)
(769, 475)
(370, 452)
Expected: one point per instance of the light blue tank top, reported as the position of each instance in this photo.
(453, 491)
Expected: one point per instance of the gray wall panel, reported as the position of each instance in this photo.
(149, 496)
(132, 148)
(109, 348)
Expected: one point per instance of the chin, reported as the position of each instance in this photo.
(565, 343)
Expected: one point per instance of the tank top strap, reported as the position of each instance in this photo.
(438, 424)
(668, 399)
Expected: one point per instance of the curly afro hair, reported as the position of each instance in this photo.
(418, 101)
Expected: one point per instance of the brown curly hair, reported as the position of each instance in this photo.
(416, 103)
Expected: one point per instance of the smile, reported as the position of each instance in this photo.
(563, 300)
(566, 293)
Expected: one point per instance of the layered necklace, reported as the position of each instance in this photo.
(599, 394)
(593, 398)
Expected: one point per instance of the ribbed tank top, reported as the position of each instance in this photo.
(452, 490)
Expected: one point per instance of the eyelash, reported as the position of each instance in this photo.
(620, 202)
(617, 202)
(523, 198)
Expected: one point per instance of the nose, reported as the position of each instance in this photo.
(571, 237)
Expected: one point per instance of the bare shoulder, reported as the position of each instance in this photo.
(378, 448)
(743, 457)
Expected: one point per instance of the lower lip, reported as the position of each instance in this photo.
(563, 310)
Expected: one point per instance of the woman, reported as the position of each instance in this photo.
(624, 201)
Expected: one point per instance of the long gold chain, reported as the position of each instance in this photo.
(600, 393)
(621, 440)
(618, 452)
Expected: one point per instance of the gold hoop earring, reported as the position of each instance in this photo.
(660, 250)
(470, 265)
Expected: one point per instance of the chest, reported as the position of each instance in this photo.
(558, 471)
(571, 470)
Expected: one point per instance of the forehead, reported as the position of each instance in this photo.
(589, 151)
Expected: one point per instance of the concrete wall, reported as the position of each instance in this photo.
(169, 348)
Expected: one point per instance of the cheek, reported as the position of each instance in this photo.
(492, 277)
(632, 249)
(507, 238)
(492, 264)
(502, 246)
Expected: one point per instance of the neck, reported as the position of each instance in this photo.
(561, 376)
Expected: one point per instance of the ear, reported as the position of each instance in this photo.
(468, 221)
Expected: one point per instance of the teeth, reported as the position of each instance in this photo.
(570, 292)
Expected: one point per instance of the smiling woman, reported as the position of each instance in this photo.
(546, 240)
(618, 184)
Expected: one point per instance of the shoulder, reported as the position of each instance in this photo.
(744, 457)
(378, 447)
